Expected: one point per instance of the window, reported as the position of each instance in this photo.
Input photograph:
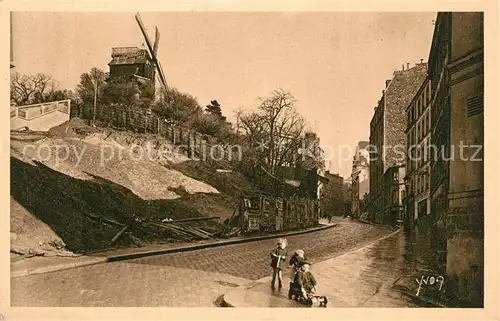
(430, 92)
(426, 150)
(475, 105)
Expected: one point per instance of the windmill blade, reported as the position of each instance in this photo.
(157, 41)
(144, 33)
(151, 50)
(161, 74)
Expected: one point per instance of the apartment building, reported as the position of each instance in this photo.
(456, 73)
(394, 194)
(419, 152)
(332, 201)
(387, 131)
(360, 179)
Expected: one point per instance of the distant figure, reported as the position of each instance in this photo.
(278, 257)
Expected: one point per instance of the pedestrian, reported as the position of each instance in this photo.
(278, 257)
(296, 262)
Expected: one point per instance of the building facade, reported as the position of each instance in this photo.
(130, 62)
(419, 152)
(347, 195)
(394, 194)
(360, 179)
(11, 44)
(387, 132)
(332, 200)
(457, 173)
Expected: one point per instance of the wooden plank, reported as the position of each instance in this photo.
(191, 230)
(202, 231)
(193, 219)
(101, 218)
(118, 234)
(172, 229)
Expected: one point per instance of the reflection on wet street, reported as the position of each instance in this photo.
(366, 277)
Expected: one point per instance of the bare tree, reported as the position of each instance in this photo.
(30, 89)
(275, 129)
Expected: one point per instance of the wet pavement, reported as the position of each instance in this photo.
(198, 278)
(360, 278)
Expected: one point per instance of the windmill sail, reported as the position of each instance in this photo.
(152, 49)
(157, 40)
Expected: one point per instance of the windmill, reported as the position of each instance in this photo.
(153, 50)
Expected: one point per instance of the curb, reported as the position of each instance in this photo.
(115, 258)
(57, 267)
(123, 257)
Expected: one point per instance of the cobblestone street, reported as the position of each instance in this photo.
(358, 278)
(251, 260)
(185, 279)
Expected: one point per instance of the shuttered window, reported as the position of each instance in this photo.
(475, 105)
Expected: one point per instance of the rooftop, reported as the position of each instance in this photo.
(129, 56)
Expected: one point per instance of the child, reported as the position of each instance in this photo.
(278, 257)
(296, 262)
(304, 282)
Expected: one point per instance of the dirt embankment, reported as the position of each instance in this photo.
(76, 172)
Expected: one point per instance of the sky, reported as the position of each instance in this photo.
(334, 63)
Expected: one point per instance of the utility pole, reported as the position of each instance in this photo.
(95, 100)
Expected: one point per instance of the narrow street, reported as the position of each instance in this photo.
(195, 278)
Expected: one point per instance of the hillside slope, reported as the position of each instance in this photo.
(76, 172)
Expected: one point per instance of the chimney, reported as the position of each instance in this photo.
(387, 82)
(403, 65)
(421, 61)
(407, 65)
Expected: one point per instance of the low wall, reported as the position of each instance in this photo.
(40, 117)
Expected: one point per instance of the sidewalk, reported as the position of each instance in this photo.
(38, 265)
(359, 278)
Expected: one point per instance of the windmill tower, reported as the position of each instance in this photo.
(139, 64)
(153, 51)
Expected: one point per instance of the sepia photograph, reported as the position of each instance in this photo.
(247, 159)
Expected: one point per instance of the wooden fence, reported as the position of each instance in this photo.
(194, 144)
(258, 212)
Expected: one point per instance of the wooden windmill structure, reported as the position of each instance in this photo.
(153, 50)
